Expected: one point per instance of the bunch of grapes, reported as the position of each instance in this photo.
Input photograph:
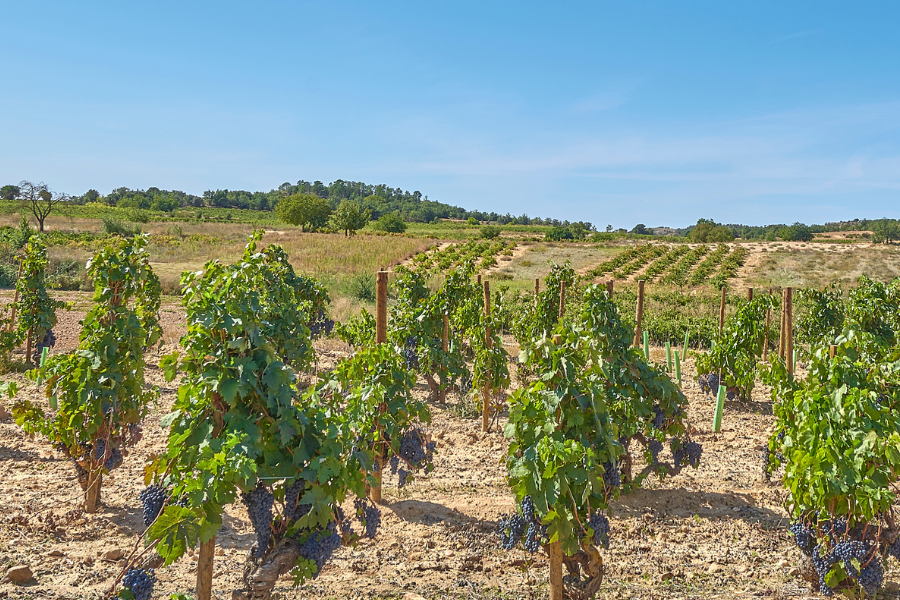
(320, 324)
(320, 546)
(689, 454)
(511, 529)
(409, 353)
(659, 416)
(139, 582)
(49, 341)
(655, 447)
(412, 447)
(709, 383)
(152, 499)
(893, 549)
(872, 577)
(369, 515)
(292, 495)
(612, 478)
(259, 507)
(804, 536)
(600, 525)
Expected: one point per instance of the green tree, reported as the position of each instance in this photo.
(641, 229)
(349, 217)
(885, 230)
(9, 192)
(306, 210)
(37, 198)
(391, 223)
(720, 234)
(471, 221)
(700, 232)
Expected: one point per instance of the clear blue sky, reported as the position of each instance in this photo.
(613, 112)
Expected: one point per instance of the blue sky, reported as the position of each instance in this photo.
(612, 112)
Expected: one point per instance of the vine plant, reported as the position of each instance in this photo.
(97, 396)
(837, 434)
(36, 309)
(237, 430)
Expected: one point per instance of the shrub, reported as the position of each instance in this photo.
(391, 223)
(489, 232)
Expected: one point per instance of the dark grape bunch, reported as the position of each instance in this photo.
(689, 454)
(139, 582)
(600, 524)
(893, 549)
(709, 383)
(412, 447)
(369, 515)
(805, 537)
(152, 499)
(320, 546)
(659, 416)
(259, 504)
(320, 324)
(409, 353)
(49, 341)
(514, 527)
(655, 447)
(113, 459)
(292, 494)
(612, 478)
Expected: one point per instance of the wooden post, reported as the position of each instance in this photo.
(609, 288)
(486, 388)
(789, 334)
(537, 286)
(749, 294)
(832, 351)
(205, 569)
(556, 577)
(478, 279)
(765, 352)
(639, 316)
(722, 312)
(562, 299)
(381, 286)
(781, 332)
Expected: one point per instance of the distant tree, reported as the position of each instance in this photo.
(391, 223)
(609, 228)
(349, 217)
(37, 198)
(489, 232)
(309, 211)
(885, 231)
(700, 233)
(9, 192)
(471, 221)
(90, 196)
(641, 229)
(720, 233)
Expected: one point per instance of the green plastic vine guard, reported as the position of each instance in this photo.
(668, 357)
(678, 369)
(44, 353)
(720, 406)
(687, 337)
(647, 345)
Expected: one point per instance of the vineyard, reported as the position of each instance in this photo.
(462, 439)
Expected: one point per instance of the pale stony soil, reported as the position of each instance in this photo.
(715, 532)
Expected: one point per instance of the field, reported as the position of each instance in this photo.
(717, 531)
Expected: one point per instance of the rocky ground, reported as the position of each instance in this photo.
(718, 531)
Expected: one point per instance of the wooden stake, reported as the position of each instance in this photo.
(205, 569)
(381, 282)
(832, 351)
(537, 286)
(478, 279)
(556, 578)
(749, 294)
(609, 287)
(639, 316)
(722, 312)
(486, 388)
(789, 334)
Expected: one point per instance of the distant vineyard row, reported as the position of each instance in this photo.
(676, 265)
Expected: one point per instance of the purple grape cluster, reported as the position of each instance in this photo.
(259, 504)
(709, 383)
(600, 526)
(139, 582)
(369, 515)
(804, 536)
(320, 546)
(152, 499)
(612, 478)
(292, 495)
